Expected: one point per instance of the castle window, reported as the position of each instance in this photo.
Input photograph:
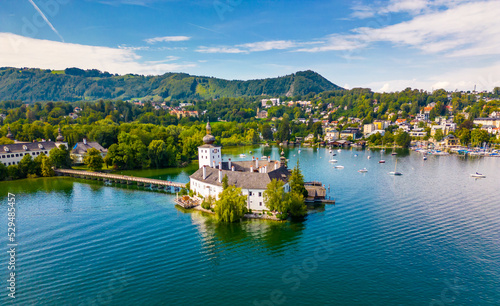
(260, 194)
(260, 203)
(17, 155)
(250, 193)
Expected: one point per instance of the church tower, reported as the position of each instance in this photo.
(209, 154)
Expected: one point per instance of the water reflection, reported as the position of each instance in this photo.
(271, 237)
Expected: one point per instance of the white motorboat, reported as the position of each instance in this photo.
(333, 161)
(338, 167)
(369, 157)
(381, 161)
(364, 170)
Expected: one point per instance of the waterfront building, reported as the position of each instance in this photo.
(251, 176)
(80, 150)
(11, 154)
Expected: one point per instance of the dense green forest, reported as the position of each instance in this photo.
(73, 84)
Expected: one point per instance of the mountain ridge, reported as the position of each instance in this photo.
(74, 84)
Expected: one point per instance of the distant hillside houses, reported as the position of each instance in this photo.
(183, 113)
(266, 103)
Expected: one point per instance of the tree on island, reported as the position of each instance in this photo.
(231, 206)
(297, 181)
(224, 182)
(93, 159)
(274, 196)
(285, 203)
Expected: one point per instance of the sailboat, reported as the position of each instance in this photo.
(383, 149)
(395, 172)
(477, 174)
(394, 150)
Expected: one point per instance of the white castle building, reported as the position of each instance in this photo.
(251, 176)
(11, 154)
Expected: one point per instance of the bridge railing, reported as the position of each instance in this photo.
(121, 177)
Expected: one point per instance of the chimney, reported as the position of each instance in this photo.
(204, 172)
(213, 164)
(220, 176)
(257, 163)
(253, 158)
(220, 165)
(232, 168)
(229, 164)
(275, 165)
(251, 168)
(84, 141)
(265, 169)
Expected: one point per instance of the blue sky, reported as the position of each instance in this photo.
(385, 45)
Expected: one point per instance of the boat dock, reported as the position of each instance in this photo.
(317, 193)
(121, 179)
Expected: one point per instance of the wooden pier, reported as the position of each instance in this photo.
(121, 179)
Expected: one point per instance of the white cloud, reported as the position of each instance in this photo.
(485, 78)
(19, 51)
(462, 29)
(166, 39)
(253, 47)
(268, 45)
(220, 50)
(336, 43)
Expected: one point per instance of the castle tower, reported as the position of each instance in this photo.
(60, 137)
(209, 154)
(282, 159)
(9, 134)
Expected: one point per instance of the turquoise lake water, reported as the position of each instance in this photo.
(429, 237)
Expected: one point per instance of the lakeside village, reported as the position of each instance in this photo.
(438, 128)
(127, 135)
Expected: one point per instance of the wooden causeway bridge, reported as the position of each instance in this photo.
(122, 179)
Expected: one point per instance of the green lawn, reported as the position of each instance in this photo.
(84, 167)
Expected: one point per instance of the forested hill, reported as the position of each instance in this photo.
(73, 84)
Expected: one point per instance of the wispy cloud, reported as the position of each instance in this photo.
(20, 51)
(251, 47)
(232, 50)
(166, 39)
(46, 19)
(268, 45)
(462, 29)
